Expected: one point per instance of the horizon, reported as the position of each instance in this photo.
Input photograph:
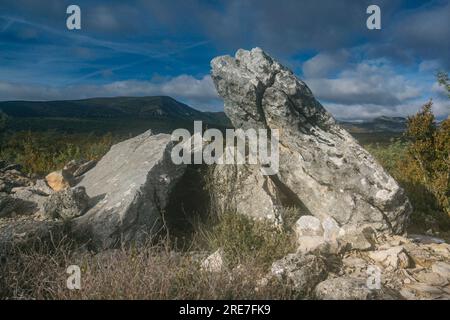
(164, 49)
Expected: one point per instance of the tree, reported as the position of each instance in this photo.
(443, 80)
(429, 153)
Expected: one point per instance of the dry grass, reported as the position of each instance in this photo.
(154, 271)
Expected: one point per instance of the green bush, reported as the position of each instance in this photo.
(43, 152)
(420, 163)
(243, 238)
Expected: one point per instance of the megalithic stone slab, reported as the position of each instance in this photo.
(321, 163)
(129, 190)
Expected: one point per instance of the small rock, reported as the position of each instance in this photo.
(85, 167)
(67, 204)
(420, 255)
(7, 205)
(357, 241)
(331, 229)
(214, 263)
(348, 288)
(58, 180)
(11, 167)
(441, 268)
(354, 262)
(442, 249)
(30, 200)
(308, 226)
(42, 186)
(309, 243)
(71, 166)
(392, 258)
(431, 278)
(425, 239)
(425, 290)
(303, 272)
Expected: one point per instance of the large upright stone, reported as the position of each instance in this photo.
(129, 190)
(245, 190)
(321, 163)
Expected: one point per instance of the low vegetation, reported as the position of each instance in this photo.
(420, 162)
(154, 271)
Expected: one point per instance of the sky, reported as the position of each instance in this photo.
(144, 48)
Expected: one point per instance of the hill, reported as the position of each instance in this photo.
(133, 114)
(380, 124)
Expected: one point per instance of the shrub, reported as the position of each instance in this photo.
(420, 163)
(243, 238)
(429, 154)
(43, 152)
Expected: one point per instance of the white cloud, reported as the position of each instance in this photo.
(366, 83)
(323, 64)
(368, 111)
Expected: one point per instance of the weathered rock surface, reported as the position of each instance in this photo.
(29, 232)
(215, 262)
(84, 167)
(11, 177)
(320, 163)
(303, 272)
(349, 288)
(394, 258)
(66, 204)
(308, 226)
(129, 189)
(244, 190)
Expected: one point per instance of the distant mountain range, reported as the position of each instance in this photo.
(380, 124)
(141, 112)
(158, 107)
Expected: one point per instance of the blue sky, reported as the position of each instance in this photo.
(140, 48)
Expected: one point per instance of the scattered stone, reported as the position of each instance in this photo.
(441, 268)
(7, 205)
(309, 243)
(392, 258)
(42, 187)
(357, 240)
(422, 291)
(331, 229)
(29, 200)
(349, 288)
(12, 178)
(11, 167)
(59, 180)
(432, 278)
(29, 232)
(308, 226)
(420, 255)
(71, 167)
(442, 249)
(303, 272)
(67, 204)
(425, 239)
(214, 263)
